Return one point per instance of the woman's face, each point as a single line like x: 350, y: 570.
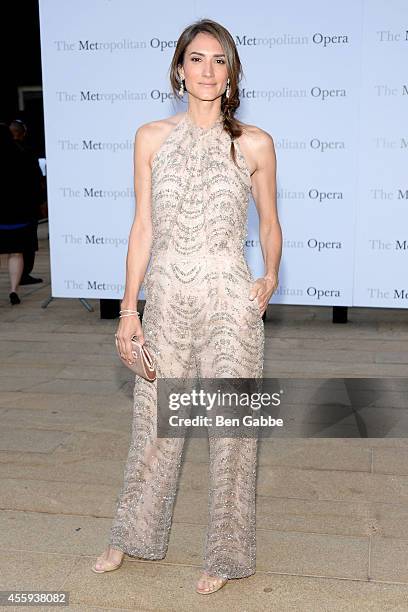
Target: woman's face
x: 204, y: 68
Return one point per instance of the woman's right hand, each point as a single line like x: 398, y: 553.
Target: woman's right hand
x: 128, y: 327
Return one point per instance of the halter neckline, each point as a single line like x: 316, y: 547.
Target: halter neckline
x: 201, y: 130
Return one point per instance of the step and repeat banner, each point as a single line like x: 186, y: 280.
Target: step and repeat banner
x: 327, y: 80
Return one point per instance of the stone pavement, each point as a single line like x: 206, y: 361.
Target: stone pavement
x: 332, y: 513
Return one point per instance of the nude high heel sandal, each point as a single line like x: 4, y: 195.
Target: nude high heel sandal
x: 219, y: 583
x: 107, y: 566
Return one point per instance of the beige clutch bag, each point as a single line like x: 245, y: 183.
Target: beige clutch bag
x: 143, y: 363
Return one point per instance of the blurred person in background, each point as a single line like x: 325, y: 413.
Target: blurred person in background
x: 18, y: 191
x: 19, y: 132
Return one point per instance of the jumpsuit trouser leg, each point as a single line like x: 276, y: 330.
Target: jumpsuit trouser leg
x: 145, y: 505
x: 232, y: 347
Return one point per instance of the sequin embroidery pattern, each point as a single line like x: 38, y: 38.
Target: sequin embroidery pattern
x: 198, y: 321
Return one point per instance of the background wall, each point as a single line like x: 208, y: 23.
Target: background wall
x: 326, y: 80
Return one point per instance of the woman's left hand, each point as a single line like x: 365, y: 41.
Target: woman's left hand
x: 263, y: 289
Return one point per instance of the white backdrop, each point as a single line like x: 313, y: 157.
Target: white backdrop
x: 325, y: 79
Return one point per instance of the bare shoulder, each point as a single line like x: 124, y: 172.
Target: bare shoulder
x: 152, y: 134
x: 255, y: 136
x: 256, y: 144
x: 159, y: 125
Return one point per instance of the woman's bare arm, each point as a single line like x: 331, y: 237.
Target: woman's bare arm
x: 140, y: 237
x: 259, y: 150
x: 264, y: 192
x: 140, y: 242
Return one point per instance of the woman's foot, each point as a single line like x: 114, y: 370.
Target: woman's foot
x: 209, y: 584
x: 14, y: 299
x: 109, y: 560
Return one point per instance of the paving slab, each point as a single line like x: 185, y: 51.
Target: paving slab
x: 332, y: 512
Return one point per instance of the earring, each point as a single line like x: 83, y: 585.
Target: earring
x: 181, y: 90
x: 228, y: 90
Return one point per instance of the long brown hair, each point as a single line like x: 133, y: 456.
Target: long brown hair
x: 234, y: 68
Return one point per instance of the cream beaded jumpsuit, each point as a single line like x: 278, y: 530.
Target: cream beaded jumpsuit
x: 198, y: 321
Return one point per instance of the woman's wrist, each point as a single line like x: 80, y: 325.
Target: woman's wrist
x: 271, y: 275
x: 128, y: 305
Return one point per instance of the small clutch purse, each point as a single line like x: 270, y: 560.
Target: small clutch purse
x: 143, y: 364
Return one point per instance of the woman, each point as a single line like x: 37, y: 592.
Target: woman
x: 17, y: 213
x: 203, y: 311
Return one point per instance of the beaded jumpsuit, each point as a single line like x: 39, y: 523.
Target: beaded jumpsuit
x: 197, y: 321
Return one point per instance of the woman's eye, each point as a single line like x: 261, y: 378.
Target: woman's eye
x: 193, y: 59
